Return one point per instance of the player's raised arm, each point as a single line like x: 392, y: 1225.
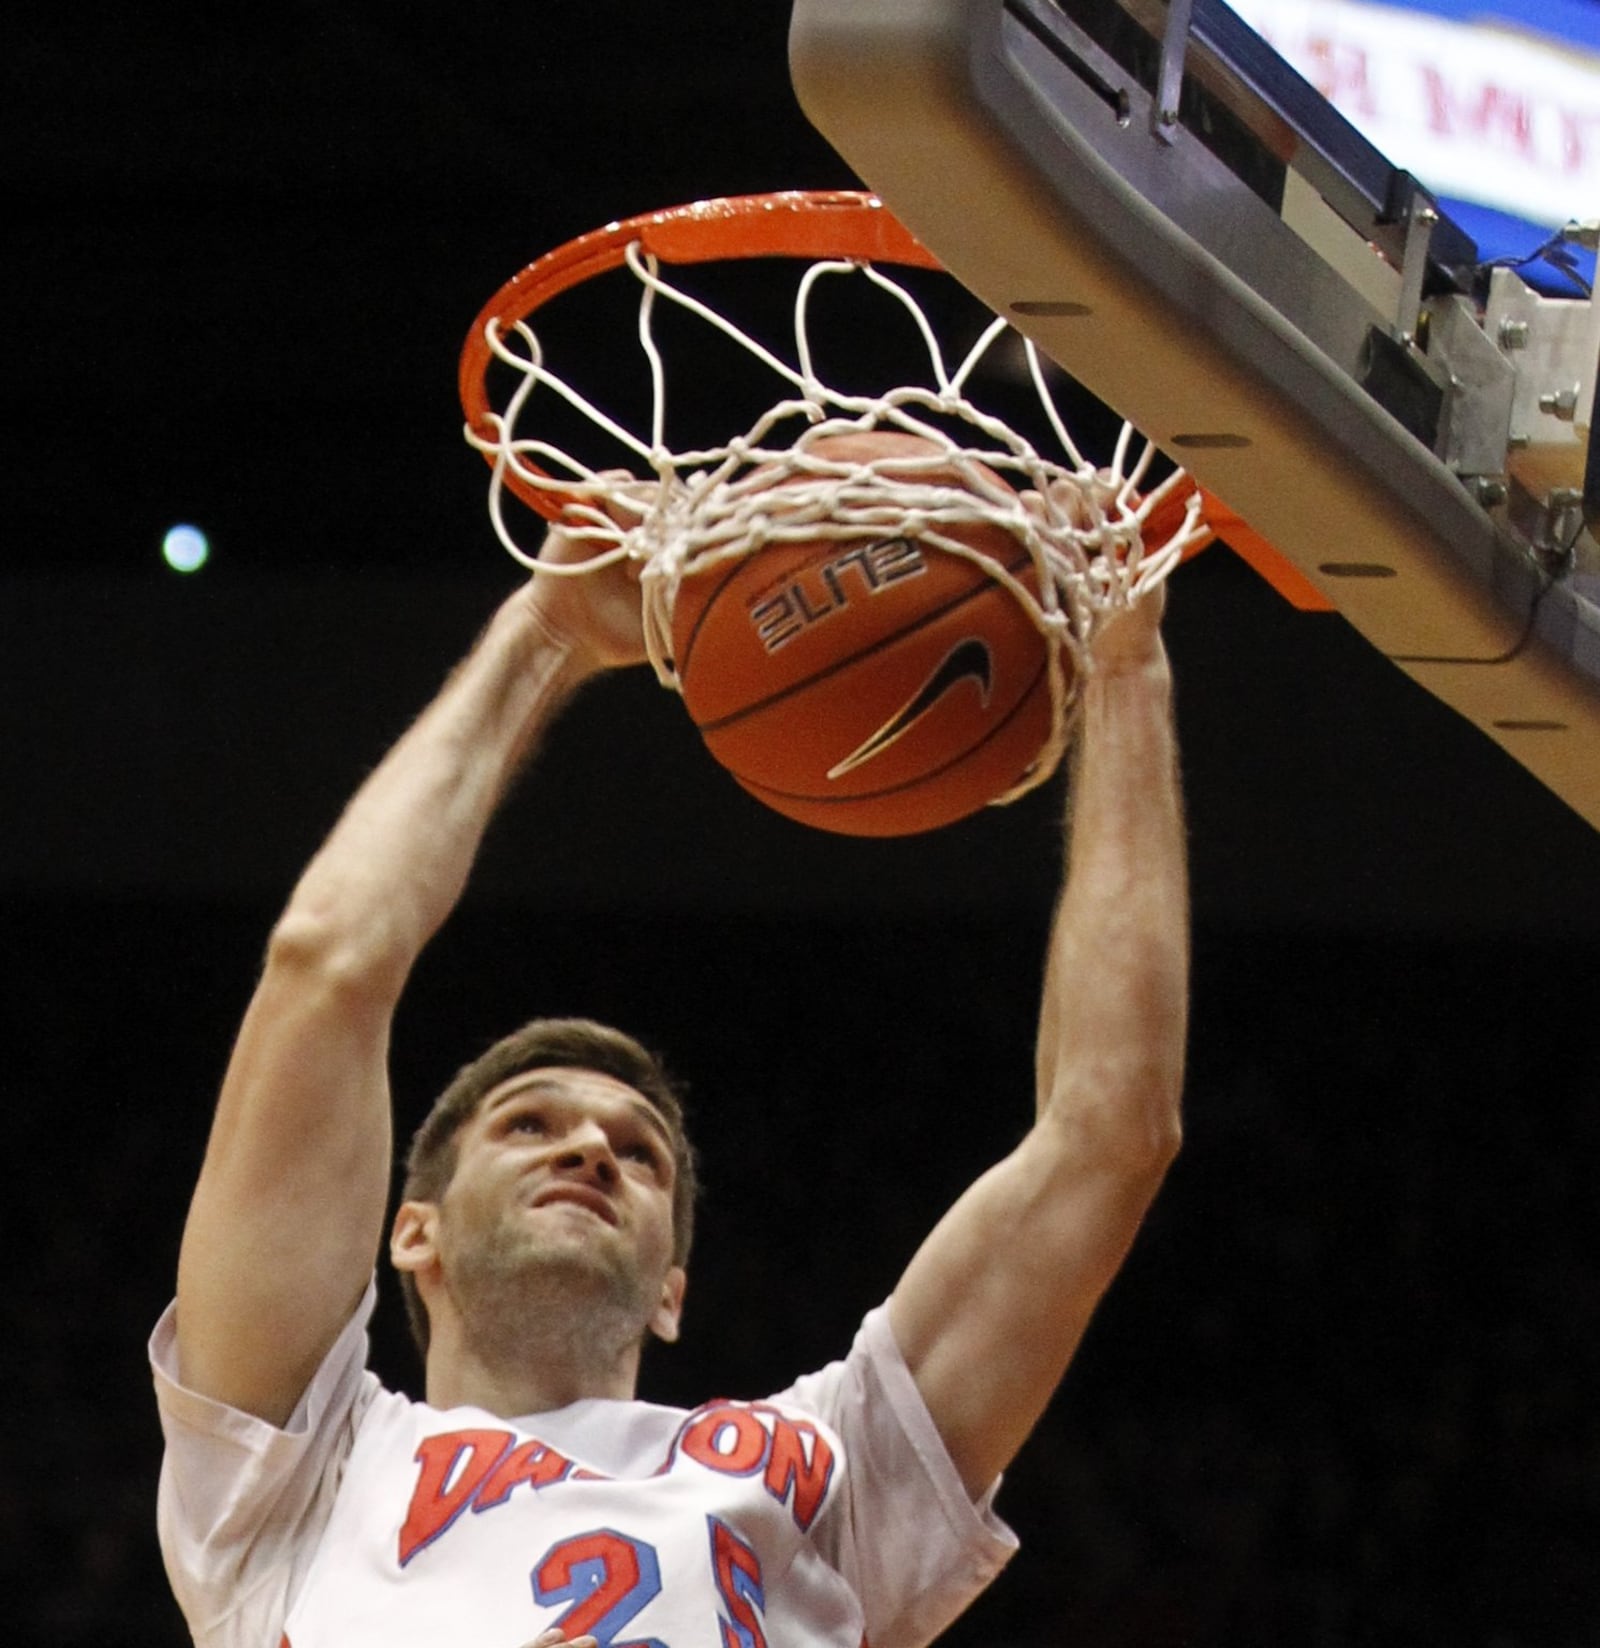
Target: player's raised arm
x: 993, y: 1306
x: 287, y: 1216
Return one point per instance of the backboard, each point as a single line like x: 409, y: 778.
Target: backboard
x: 1189, y: 229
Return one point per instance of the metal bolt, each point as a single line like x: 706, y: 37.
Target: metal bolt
x: 1489, y: 490
x: 1513, y: 334
x: 1561, y: 403
x: 1563, y: 521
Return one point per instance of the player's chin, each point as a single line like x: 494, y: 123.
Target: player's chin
x: 579, y: 1246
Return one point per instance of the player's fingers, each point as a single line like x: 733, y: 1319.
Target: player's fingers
x: 629, y: 500
x: 1066, y: 502
x: 624, y: 499
x: 593, y: 520
x: 551, y: 1637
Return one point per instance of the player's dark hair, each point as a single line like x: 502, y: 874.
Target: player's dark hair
x: 579, y: 1044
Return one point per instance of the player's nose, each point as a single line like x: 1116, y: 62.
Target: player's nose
x: 586, y: 1148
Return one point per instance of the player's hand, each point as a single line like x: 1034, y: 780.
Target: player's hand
x: 553, y: 1637
x: 597, y: 614
x: 1125, y: 639
x: 1128, y: 639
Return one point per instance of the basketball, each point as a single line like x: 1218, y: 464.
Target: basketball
x: 869, y: 687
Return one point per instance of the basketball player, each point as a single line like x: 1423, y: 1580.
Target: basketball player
x: 531, y: 1499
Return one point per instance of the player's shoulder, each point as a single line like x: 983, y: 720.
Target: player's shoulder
x: 872, y: 1361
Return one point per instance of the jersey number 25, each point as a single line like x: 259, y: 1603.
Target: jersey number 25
x: 607, y: 1579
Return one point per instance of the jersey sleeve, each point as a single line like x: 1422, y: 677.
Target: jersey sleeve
x: 905, y: 1535
x: 242, y: 1504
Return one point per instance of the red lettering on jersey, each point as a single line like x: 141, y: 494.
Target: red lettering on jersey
x: 793, y: 1466
x: 454, y: 1466
x: 738, y: 1573
x: 534, y: 1463
x: 727, y: 1439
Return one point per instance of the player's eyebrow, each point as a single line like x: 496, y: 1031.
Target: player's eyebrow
x: 535, y: 1085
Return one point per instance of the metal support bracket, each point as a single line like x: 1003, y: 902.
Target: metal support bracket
x: 1422, y: 220
x: 1169, y: 81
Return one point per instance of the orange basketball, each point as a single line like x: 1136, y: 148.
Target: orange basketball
x: 868, y: 687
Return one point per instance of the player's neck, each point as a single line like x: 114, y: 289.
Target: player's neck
x: 537, y: 1378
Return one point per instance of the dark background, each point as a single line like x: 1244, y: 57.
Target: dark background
x: 1342, y: 1394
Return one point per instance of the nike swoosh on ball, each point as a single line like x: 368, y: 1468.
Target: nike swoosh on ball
x: 966, y: 660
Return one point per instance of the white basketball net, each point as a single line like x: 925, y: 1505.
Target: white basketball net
x: 1082, y: 525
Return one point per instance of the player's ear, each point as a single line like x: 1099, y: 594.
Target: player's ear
x: 669, y: 1309
x: 413, y: 1238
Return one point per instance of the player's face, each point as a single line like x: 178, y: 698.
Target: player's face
x: 566, y: 1172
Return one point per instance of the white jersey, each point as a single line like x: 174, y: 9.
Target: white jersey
x: 826, y: 1516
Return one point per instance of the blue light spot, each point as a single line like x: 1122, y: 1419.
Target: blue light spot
x: 185, y: 549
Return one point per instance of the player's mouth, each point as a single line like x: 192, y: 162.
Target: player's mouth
x: 576, y: 1195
